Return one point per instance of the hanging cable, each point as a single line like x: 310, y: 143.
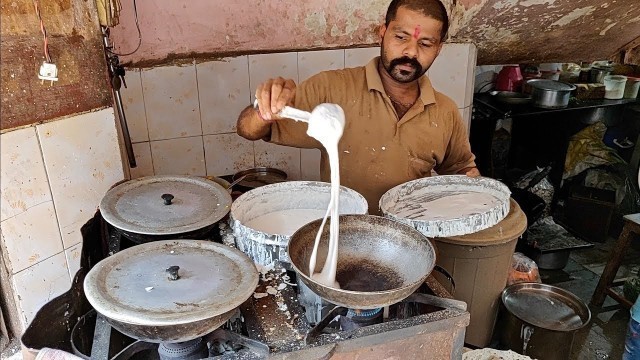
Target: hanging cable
x: 44, y: 32
x: 135, y: 12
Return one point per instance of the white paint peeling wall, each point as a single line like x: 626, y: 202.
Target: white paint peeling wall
x: 574, y: 15
x: 52, y: 179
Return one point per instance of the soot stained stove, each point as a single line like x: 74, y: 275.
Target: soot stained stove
x: 273, y: 323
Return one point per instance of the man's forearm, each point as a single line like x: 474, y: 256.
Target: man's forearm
x: 251, y: 126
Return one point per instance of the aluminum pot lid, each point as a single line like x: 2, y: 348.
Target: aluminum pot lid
x: 165, y: 205
x: 134, y: 286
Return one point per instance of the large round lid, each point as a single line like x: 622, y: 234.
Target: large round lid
x: 134, y: 286
x: 448, y: 205
x: 507, y: 230
x: 546, y: 306
x: 165, y: 205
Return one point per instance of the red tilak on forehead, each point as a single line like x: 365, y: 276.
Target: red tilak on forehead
x: 416, y: 32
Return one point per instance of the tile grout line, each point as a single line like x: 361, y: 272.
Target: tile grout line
x: 30, y: 207
x: 146, y: 121
x: 204, y: 151
x: 53, y: 203
x: 47, y: 258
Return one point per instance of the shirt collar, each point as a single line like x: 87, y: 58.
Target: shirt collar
x: 374, y: 82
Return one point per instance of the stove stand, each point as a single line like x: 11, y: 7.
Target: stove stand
x: 219, y: 344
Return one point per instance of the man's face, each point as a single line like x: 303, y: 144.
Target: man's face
x: 409, y: 45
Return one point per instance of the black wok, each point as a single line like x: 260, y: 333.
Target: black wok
x: 380, y: 261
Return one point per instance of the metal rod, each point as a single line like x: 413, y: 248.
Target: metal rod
x: 125, y: 130
x: 115, y: 91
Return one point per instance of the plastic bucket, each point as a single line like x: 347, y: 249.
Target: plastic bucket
x: 479, y: 264
x: 631, y: 88
x: 614, y: 86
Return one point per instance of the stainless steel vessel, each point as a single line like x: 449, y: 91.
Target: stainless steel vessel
x: 550, y: 94
x: 541, y: 320
x: 165, y: 207
x: 170, y: 291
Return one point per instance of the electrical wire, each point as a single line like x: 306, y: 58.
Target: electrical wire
x: 44, y: 32
x: 135, y: 11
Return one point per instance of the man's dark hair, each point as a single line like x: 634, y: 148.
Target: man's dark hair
x: 431, y: 8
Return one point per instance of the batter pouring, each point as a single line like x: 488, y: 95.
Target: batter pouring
x: 326, y: 124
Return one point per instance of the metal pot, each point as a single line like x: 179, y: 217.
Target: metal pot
x: 257, y: 177
x: 380, y: 261
x: 554, y: 260
x: 541, y: 320
x: 265, y: 246
x: 597, y: 74
x: 170, y: 291
x: 550, y: 94
x: 165, y: 207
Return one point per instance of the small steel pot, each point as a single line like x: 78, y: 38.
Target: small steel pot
x: 257, y: 177
x: 541, y: 320
x: 597, y: 74
x: 550, y: 94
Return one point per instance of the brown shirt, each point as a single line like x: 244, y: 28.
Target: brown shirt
x: 379, y: 151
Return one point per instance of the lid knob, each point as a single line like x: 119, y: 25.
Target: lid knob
x: 173, y: 272
x: 167, y: 198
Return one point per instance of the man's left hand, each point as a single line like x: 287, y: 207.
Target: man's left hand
x: 470, y: 172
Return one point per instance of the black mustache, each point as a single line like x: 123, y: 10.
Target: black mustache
x: 405, y: 60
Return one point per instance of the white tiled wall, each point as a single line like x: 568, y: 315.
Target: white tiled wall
x: 183, y: 118
x: 53, y: 177
x: 453, y: 74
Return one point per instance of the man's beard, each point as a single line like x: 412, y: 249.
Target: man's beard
x: 402, y: 75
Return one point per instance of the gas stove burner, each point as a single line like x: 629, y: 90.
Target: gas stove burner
x: 362, y: 314
x: 188, y: 350
x: 359, y: 318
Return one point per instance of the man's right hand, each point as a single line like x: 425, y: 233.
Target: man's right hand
x: 273, y: 95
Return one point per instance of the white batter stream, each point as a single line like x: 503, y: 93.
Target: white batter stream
x: 326, y: 125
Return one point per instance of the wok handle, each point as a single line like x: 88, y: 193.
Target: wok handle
x: 449, y: 277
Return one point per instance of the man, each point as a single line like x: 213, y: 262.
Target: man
x: 398, y: 128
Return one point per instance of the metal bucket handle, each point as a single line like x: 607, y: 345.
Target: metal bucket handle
x: 446, y: 274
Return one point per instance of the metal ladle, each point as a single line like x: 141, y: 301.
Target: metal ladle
x: 290, y: 113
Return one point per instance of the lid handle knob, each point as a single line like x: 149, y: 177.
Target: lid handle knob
x: 167, y: 198
x: 173, y: 272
